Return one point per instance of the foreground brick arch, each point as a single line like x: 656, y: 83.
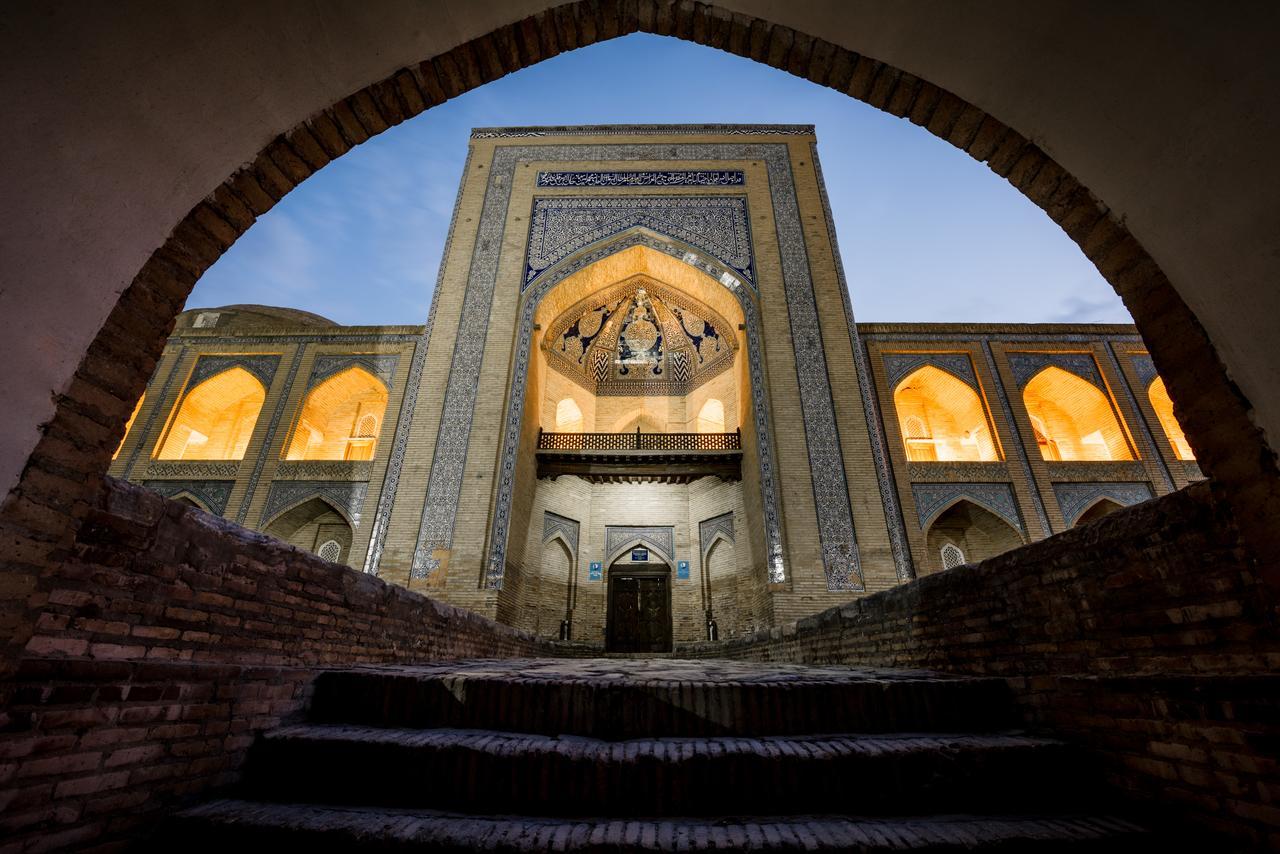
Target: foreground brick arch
x: 62, y: 474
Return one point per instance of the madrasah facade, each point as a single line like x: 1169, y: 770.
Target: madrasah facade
x: 640, y: 413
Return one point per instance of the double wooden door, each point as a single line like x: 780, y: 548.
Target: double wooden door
x: 638, y: 618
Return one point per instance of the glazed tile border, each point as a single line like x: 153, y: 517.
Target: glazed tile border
x: 642, y: 130
x: 655, y: 178
x: 400, y: 444
x: 885, y: 481
x: 835, y: 518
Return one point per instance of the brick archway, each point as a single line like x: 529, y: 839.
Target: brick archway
x: 63, y: 472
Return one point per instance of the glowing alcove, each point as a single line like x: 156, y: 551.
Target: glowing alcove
x: 1073, y: 419
x: 340, y: 419
x: 216, y: 418
x: 942, y: 418
x: 1163, y: 406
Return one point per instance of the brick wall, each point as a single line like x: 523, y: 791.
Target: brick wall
x: 169, y: 638
x: 1147, y: 637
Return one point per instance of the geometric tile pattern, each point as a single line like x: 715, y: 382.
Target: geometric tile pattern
x: 898, y: 365
x: 1145, y: 367
x: 1027, y: 365
x: 213, y: 494
x: 554, y: 523
x: 1075, y: 498
x: 659, y: 538
x: 382, y: 366
x: 932, y: 498
x: 563, y: 225
x: 261, y: 366
x: 347, y: 497
x: 708, y: 529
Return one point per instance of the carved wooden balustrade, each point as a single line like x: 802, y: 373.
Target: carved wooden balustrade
x: 638, y: 441
x: 637, y: 456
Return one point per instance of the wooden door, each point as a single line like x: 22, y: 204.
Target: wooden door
x: 638, y: 618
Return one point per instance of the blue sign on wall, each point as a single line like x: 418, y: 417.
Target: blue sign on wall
x: 639, y: 555
x: 596, y: 572
x: 682, y: 569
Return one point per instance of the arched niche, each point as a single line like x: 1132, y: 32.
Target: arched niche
x: 973, y: 530
x: 215, y: 419
x: 568, y: 416
x: 310, y: 524
x: 1101, y: 507
x: 341, y: 418
x: 1163, y: 406
x: 1072, y: 419
x: 942, y: 418
x: 711, y: 417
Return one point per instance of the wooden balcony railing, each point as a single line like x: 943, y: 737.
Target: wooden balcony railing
x: 638, y: 441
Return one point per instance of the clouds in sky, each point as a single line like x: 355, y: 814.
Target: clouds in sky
x: 926, y: 233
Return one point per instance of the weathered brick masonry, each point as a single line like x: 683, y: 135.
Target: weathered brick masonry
x: 170, y: 638
x: 1147, y: 637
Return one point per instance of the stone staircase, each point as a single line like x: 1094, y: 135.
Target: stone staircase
x: 662, y: 755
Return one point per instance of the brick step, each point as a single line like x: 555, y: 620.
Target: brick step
x: 611, y: 699
x: 491, y: 772
x: 218, y: 825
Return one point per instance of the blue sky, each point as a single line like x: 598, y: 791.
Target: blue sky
x: 926, y: 233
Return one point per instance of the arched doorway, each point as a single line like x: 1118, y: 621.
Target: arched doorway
x: 638, y: 615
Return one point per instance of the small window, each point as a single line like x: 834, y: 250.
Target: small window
x: 368, y: 427
x: 330, y: 551
x: 952, y: 556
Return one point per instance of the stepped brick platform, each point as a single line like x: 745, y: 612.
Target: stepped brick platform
x: 657, y: 755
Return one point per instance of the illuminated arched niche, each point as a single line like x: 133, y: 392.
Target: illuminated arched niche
x: 1163, y: 406
x: 341, y: 418
x: 598, y: 327
x: 128, y: 425
x: 711, y: 417
x: 216, y: 418
x: 942, y: 418
x: 568, y: 416
x: 1072, y: 418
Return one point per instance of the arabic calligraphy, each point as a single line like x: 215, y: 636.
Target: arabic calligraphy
x: 663, y: 178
